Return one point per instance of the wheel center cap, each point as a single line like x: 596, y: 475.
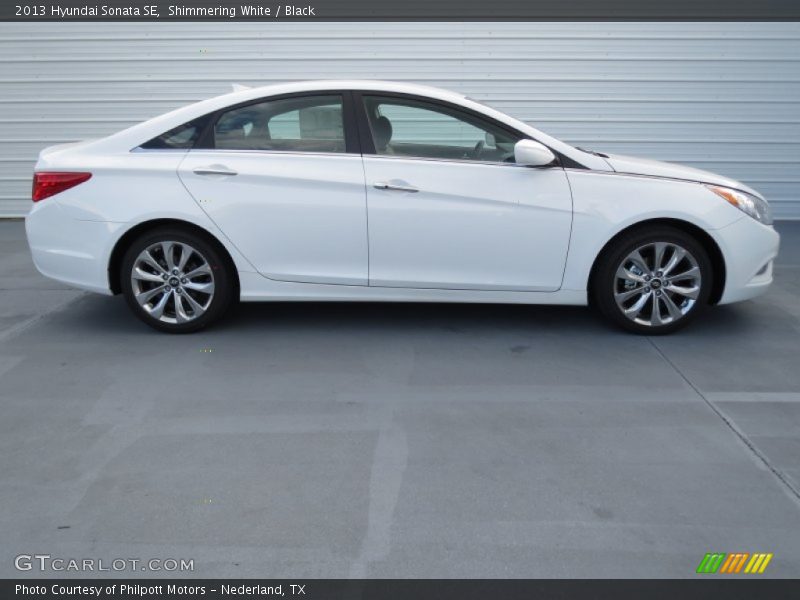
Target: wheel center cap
x: 174, y: 281
x: 655, y: 284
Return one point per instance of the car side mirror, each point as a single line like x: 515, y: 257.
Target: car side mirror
x: 532, y: 154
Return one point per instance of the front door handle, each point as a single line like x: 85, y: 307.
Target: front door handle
x: 382, y: 185
x: 214, y: 170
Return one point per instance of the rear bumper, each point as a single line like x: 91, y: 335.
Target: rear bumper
x: 68, y: 250
x: 749, y: 249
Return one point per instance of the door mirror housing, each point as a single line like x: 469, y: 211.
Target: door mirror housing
x: 532, y: 154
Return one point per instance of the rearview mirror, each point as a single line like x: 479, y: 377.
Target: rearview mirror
x: 532, y: 154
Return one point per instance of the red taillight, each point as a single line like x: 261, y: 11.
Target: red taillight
x: 48, y: 183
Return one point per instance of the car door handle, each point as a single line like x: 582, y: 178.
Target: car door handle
x: 214, y: 170
x: 382, y: 185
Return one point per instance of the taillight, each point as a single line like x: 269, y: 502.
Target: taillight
x: 49, y: 183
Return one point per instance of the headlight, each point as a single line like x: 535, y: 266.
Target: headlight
x: 752, y: 205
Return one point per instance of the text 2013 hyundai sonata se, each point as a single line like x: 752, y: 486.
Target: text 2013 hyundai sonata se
x: 363, y: 190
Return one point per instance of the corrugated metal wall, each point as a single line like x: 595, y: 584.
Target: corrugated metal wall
x: 719, y: 96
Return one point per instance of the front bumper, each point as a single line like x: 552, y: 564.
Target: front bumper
x: 749, y: 249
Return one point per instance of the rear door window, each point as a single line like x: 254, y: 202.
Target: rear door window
x: 299, y: 124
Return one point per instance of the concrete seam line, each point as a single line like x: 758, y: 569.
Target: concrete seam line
x: 789, y: 487
x: 20, y: 327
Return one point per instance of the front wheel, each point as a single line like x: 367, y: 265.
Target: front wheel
x: 653, y: 281
x: 176, y: 281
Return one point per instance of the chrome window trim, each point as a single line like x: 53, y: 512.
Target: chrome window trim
x: 353, y: 154
x: 458, y: 161
x: 140, y: 149
x: 279, y: 152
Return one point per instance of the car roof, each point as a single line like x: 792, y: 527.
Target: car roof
x: 346, y: 84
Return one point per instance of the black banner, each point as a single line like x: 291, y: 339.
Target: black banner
x: 739, y: 588
x: 402, y: 10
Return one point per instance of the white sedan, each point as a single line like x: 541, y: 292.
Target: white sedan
x: 376, y: 191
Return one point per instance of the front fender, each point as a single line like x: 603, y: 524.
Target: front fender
x: 607, y: 203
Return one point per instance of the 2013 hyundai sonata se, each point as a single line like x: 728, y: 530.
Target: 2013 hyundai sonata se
x: 375, y: 191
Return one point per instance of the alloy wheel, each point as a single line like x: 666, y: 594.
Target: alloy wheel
x: 658, y: 283
x: 172, y: 282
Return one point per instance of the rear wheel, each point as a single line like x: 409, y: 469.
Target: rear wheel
x: 176, y: 281
x: 653, y: 281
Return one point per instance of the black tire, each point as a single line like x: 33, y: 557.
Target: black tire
x: 212, y: 305
x: 605, y: 285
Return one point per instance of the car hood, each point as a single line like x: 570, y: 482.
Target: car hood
x: 655, y: 168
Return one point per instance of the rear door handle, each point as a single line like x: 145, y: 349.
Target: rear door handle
x: 382, y: 185
x: 214, y: 170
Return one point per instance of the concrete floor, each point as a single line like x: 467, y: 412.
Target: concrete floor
x: 315, y: 440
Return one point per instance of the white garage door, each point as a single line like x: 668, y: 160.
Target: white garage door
x: 719, y: 96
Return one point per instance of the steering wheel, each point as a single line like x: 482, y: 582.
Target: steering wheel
x: 478, y: 149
